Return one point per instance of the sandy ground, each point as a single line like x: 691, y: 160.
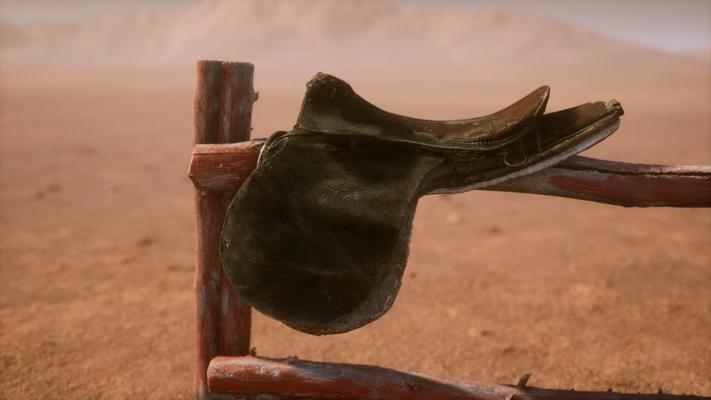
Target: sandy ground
x: 97, y: 235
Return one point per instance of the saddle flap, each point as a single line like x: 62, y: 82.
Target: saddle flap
x: 317, y: 237
x: 332, y: 106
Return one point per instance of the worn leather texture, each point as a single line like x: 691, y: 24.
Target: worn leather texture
x: 318, y: 235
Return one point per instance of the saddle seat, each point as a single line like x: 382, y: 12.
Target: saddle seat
x: 331, y: 106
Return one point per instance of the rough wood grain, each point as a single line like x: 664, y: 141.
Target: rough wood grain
x: 618, y: 183
x: 217, y: 168
x: 222, y: 114
x: 299, y: 379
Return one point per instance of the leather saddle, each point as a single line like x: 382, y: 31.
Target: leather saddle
x: 318, y: 235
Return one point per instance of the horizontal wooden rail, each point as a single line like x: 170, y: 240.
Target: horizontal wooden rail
x: 223, y: 167
x: 293, y: 378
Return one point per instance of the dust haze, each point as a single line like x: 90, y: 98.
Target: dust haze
x: 97, y: 220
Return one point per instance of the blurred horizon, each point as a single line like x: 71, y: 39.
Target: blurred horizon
x: 455, y: 37
x: 680, y: 26
x: 464, y: 53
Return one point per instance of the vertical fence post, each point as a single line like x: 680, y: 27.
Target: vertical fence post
x: 222, y: 112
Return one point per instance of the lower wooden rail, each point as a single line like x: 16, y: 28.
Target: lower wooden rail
x: 299, y: 379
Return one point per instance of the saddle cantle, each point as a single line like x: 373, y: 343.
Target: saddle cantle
x: 318, y: 235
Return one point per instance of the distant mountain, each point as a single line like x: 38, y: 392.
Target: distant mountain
x: 395, y: 41
x: 702, y: 55
x: 359, y: 33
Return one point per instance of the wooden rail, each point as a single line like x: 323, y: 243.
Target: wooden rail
x: 297, y: 379
x: 224, y: 167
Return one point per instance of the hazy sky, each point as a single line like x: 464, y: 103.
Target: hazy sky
x: 673, y: 25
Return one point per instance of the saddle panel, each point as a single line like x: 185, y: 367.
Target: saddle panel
x: 331, y: 105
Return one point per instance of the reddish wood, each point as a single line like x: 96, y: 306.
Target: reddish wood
x: 307, y: 379
x: 222, y: 114
x: 225, y: 167
x: 218, y: 168
x: 618, y: 183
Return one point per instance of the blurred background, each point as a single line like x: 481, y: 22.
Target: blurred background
x: 96, y: 211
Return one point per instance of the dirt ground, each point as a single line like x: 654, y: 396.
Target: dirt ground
x: 97, y: 259
x: 97, y: 240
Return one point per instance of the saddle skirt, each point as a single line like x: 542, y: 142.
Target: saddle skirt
x: 318, y: 235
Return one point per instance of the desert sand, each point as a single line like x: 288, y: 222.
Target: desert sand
x: 97, y: 227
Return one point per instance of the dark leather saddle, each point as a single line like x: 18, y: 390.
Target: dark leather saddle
x: 318, y: 235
